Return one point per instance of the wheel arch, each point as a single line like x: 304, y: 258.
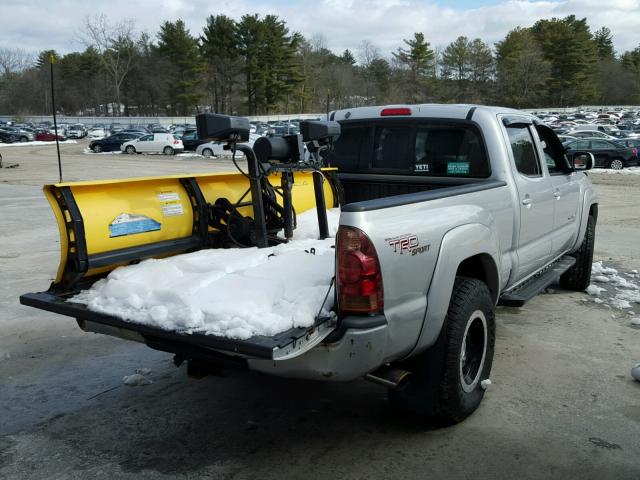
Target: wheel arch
x: 468, y: 250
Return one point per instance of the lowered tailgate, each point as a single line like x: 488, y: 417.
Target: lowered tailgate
x: 285, y: 345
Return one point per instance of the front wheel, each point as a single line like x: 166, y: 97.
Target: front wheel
x: 207, y: 152
x: 446, y: 380
x: 168, y: 151
x: 97, y: 149
x: 130, y: 149
x: 578, y: 277
x: 24, y: 139
x: 616, y: 164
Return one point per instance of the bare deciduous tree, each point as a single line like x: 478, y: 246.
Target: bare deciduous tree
x: 14, y: 60
x: 115, y: 44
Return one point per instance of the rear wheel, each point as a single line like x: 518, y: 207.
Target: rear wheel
x: 578, y: 277
x: 130, y: 149
x: 97, y: 148
x: 168, y: 151
x: 446, y: 380
x: 616, y: 164
x: 207, y: 152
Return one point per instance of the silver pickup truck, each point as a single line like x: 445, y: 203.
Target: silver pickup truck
x: 446, y: 212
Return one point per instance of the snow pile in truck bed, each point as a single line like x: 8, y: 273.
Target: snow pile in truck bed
x: 235, y: 293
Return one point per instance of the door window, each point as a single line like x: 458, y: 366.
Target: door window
x: 600, y: 145
x: 146, y: 138
x: 524, y: 151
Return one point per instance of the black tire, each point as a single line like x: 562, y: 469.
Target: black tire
x: 168, y: 151
x: 617, y: 163
x: 97, y: 148
x: 24, y: 139
x: 207, y: 152
x: 130, y: 149
x: 578, y: 277
x: 445, y: 385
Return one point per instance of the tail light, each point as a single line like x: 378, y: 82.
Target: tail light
x: 359, y: 284
x: 635, y: 151
x: 391, y: 112
x: 176, y: 142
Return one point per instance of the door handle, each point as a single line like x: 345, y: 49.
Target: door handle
x: 526, y: 201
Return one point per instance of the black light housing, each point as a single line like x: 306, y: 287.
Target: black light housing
x: 222, y: 128
x: 288, y: 148
x: 314, y: 130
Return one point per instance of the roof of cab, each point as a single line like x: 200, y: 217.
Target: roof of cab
x: 425, y: 110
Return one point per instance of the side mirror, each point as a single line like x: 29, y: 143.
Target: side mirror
x: 583, y: 161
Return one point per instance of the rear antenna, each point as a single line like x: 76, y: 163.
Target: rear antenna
x: 55, y: 121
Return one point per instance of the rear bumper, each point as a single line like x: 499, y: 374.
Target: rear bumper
x: 358, y: 351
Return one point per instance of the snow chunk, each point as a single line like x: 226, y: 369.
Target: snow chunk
x: 594, y: 290
x: 235, y: 293
x: 485, y: 383
x: 598, y: 269
x: 136, y: 380
x: 600, y: 279
x: 619, y: 303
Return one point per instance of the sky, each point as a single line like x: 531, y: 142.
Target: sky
x: 36, y: 25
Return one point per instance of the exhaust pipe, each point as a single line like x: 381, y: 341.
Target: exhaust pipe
x: 388, y: 376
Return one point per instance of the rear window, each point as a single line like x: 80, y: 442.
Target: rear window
x: 429, y: 149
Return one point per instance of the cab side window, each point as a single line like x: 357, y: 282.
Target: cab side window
x: 524, y: 151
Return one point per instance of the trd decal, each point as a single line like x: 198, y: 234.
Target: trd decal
x: 407, y: 244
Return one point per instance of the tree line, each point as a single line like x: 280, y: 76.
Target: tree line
x: 257, y: 65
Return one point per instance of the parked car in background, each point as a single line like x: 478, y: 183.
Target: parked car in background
x: 631, y: 143
x: 215, y: 149
x: 566, y: 138
x: 77, y: 130
x: 8, y: 137
x: 115, y: 128
x: 607, y: 153
x: 158, y: 129
x: 590, y: 134
x: 96, y: 133
x: 191, y: 141
x: 166, y: 143
x: 112, y: 143
x: 48, y: 136
x: 23, y: 136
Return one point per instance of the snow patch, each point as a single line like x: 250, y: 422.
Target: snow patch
x: 136, y: 380
x: 485, y: 383
x: 235, y: 293
x: 36, y: 143
x: 594, y: 290
x: 624, y: 171
x: 88, y: 151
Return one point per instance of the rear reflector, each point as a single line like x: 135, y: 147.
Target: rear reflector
x: 359, y: 285
x: 390, y: 112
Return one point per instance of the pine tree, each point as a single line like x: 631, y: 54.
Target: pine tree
x: 176, y: 44
x: 419, y: 60
x: 219, y: 47
x: 522, y: 71
x: 568, y: 46
x: 604, y: 43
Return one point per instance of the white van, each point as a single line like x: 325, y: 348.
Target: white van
x: 166, y: 143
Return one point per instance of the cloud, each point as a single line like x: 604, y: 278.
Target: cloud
x: 344, y: 24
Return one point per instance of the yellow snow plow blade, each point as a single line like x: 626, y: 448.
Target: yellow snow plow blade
x: 104, y: 224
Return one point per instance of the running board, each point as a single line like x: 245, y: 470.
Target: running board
x: 524, y: 292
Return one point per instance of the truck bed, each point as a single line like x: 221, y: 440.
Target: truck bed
x: 286, y: 344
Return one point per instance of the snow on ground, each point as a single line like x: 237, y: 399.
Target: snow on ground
x: 236, y: 293
x: 614, y: 290
x: 32, y: 144
x: 91, y: 152
x: 624, y: 171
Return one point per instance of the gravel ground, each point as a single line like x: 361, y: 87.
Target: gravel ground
x: 562, y: 404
